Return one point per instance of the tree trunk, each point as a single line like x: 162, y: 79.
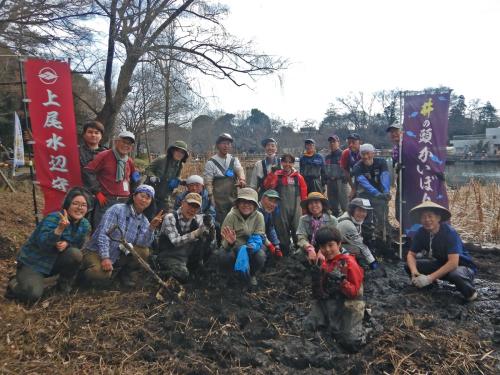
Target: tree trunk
x: 167, y: 104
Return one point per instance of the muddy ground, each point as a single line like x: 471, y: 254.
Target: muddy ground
x: 219, y: 327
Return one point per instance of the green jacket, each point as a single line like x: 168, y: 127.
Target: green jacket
x: 304, y: 232
x: 244, y: 228
x: 166, y: 169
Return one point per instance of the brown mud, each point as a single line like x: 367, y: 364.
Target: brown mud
x: 221, y: 328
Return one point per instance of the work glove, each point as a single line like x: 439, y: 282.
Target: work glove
x: 374, y: 265
x: 272, y: 249
x: 421, y: 281
x: 126, y: 250
x: 334, y: 280
x: 135, y: 176
x: 101, y: 198
x: 173, y: 183
x: 440, y: 176
x: 387, y: 196
x: 278, y: 254
x: 198, y: 232
x: 154, y: 179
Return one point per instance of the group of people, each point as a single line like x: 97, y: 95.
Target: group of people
x: 241, y: 225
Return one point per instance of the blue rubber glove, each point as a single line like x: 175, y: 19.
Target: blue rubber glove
x: 173, y: 183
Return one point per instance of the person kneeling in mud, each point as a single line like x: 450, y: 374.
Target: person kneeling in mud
x: 437, y: 252
x: 185, y: 239
x: 337, y: 288
x: 243, y: 234
x: 317, y: 216
x: 267, y: 207
x: 350, y: 227
x: 53, y: 249
x: 104, y: 258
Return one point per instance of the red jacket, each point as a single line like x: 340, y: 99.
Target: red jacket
x: 350, y: 268
x: 271, y: 181
x: 103, y: 171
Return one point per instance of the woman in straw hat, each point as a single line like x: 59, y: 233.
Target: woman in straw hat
x: 315, y: 206
x: 437, y: 252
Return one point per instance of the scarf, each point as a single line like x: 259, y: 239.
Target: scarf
x: 315, y: 225
x: 120, y: 165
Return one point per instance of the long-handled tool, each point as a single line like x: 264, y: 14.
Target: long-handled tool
x: 171, y: 284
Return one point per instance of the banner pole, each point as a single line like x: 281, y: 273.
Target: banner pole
x: 400, y: 175
x: 28, y: 128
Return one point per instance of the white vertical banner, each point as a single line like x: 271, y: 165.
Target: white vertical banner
x: 18, y: 145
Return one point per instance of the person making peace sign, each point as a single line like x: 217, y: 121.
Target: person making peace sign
x: 53, y: 249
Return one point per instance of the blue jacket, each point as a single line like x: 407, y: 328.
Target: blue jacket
x: 40, y: 253
x: 271, y: 234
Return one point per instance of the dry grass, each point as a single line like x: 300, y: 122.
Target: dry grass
x: 415, y: 345
x: 475, y: 212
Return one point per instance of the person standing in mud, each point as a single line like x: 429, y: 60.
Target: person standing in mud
x: 91, y: 138
x: 336, y: 183
x: 103, y: 257
x: 350, y: 156
x: 185, y: 240
x: 243, y: 233
x: 53, y: 249
x: 267, y: 207
x: 292, y: 189
x: 312, y: 167
x: 437, y: 252
x: 163, y: 174
x: 350, y: 227
x: 338, y: 307
x: 373, y: 182
x: 317, y: 216
x: 112, y: 175
x: 264, y: 166
x: 223, y: 175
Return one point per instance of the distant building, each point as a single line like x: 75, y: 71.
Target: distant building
x: 490, y: 142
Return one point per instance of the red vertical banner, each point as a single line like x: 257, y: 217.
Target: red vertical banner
x: 48, y: 86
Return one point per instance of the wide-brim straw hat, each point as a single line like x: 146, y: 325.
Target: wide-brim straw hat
x: 314, y: 196
x: 416, y: 211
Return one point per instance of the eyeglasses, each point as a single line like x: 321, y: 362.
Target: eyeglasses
x: 79, y: 205
x: 126, y: 142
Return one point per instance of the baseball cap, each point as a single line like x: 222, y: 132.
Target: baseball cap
x: 193, y: 198
x: 354, y: 136
x: 271, y: 194
x: 126, y: 134
x: 334, y: 137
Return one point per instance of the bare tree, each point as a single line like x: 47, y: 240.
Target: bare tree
x: 134, y: 30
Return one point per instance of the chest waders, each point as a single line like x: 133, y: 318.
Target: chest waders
x: 260, y: 180
x: 224, y: 190
x: 163, y: 196
x: 289, y: 213
x: 312, y: 175
x: 336, y: 189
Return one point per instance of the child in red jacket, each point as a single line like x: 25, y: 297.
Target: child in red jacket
x: 338, y: 304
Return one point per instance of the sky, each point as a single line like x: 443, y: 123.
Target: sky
x: 335, y: 47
